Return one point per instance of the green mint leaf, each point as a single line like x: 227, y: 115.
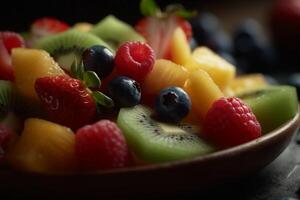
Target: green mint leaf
x: 80, y: 70
x: 91, y: 79
x: 102, y: 99
x: 74, y: 69
x: 149, y: 8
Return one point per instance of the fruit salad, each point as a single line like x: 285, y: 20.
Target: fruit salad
x: 94, y: 97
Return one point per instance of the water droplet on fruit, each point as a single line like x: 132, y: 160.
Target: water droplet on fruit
x: 84, y: 94
x: 74, y: 84
x: 54, y: 104
x: 47, y: 99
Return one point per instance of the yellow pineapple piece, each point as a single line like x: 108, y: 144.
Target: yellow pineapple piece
x: 83, y: 26
x: 29, y: 65
x: 202, y: 91
x: 245, y: 83
x: 221, y: 71
x: 180, y: 48
x: 228, y: 92
x: 44, y: 147
x: 164, y: 74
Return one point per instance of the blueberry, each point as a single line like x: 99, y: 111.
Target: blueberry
x: 125, y: 91
x: 253, y: 52
x: 247, y: 36
x: 219, y: 42
x: 267, y: 58
x: 172, y: 104
x: 204, y: 25
x: 98, y: 59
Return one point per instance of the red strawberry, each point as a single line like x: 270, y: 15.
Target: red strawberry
x: 66, y: 101
x: 158, y: 31
x: 44, y: 27
x: 49, y: 25
x: 8, y: 41
x: 6, y: 136
x: 101, y: 146
x: 229, y: 122
x: 134, y: 59
x: 186, y: 27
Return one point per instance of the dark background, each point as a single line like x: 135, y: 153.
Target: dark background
x: 271, y: 183
x: 18, y: 15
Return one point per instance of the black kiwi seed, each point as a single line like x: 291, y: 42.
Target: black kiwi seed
x: 154, y: 141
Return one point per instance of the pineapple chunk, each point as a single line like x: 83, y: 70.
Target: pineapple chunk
x: 180, y: 48
x: 29, y: 65
x: 218, y: 68
x: 246, y: 83
x: 44, y: 147
x: 202, y: 91
x: 83, y: 26
x: 164, y: 74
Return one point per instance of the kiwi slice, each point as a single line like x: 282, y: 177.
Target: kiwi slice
x: 114, y: 31
x: 67, y: 46
x: 272, y: 106
x: 155, y: 142
x: 7, y: 98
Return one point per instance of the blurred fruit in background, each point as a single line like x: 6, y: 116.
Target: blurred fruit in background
x: 285, y: 26
x: 268, y: 43
x: 294, y: 80
x: 204, y: 26
x: 253, y: 51
x: 285, y: 23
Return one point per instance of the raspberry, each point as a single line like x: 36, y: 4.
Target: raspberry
x: 135, y: 60
x: 101, y: 146
x: 229, y: 122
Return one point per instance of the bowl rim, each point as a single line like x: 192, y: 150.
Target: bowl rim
x: 292, y: 124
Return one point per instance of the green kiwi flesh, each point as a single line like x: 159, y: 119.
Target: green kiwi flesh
x: 114, y: 31
x: 155, y: 142
x: 272, y: 106
x: 67, y: 46
x: 7, y: 98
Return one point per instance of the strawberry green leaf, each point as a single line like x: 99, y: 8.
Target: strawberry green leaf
x: 91, y: 79
x: 149, y: 8
x: 179, y: 10
x: 102, y: 99
x: 25, y: 35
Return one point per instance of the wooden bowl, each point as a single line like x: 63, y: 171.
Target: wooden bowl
x: 199, y: 173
